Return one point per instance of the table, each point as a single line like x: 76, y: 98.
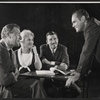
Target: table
x: 34, y: 75
x: 56, y: 77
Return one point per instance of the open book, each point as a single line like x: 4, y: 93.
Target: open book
x: 52, y: 71
x: 58, y: 71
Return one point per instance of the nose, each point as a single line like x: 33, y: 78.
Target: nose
x: 72, y: 25
x: 19, y: 37
x: 53, y: 41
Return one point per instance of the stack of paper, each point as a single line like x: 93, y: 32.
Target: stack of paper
x: 44, y: 72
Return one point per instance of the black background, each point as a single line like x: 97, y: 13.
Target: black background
x: 43, y: 17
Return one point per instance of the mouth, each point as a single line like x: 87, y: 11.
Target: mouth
x: 30, y: 45
x: 54, y: 44
x: 76, y: 28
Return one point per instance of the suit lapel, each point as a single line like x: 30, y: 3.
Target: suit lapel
x: 3, y: 44
x: 57, y: 52
x: 49, y: 52
x: 9, y: 61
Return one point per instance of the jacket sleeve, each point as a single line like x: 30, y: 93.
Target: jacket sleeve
x: 42, y: 50
x: 6, y: 78
x: 91, y: 38
x: 65, y: 56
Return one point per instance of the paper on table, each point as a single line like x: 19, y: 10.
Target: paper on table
x: 44, y: 72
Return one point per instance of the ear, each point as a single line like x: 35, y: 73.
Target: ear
x: 83, y: 18
x: 9, y: 36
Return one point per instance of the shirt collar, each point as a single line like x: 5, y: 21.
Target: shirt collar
x: 53, y: 50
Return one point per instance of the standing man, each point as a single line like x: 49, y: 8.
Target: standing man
x: 91, y: 28
x: 8, y: 70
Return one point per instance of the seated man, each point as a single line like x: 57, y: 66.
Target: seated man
x: 8, y: 71
x: 54, y: 54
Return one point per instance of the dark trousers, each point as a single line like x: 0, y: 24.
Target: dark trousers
x: 5, y: 92
x: 31, y: 87
x: 24, y: 88
x: 54, y: 88
x: 57, y: 89
x: 94, y: 80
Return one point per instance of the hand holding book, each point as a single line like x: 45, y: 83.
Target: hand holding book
x: 58, y: 71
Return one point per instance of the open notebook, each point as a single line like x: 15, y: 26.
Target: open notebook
x: 52, y: 71
x: 58, y: 71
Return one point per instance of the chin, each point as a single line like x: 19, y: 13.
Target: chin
x: 17, y: 45
x: 77, y: 31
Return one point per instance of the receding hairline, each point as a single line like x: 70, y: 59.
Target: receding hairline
x: 8, y: 29
x: 81, y: 12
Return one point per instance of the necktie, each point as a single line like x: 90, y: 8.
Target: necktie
x: 53, y: 52
x: 10, y: 52
x: 11, y: 59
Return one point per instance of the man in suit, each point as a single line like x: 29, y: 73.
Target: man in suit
x: 91, y: 48
x: 54, y: 55
x: 10, y: 35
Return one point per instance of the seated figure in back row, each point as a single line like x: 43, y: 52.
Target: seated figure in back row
x: 27, y: 55
x: 53, y: 55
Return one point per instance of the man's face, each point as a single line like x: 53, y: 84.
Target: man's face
x: 77, y: 23
x: 15, y: 37
x: 28, y: 41
x: 52, y: 41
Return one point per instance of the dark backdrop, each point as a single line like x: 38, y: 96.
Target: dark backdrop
x: 43, y: 17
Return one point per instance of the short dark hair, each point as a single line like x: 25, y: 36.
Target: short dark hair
x: 80, y: 13
x: 8, y: 29
x: 51, y: 33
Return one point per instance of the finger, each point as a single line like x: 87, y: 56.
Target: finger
x: 68, y: 83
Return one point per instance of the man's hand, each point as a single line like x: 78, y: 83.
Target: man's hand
x: 72, y: 72
x: 63, y: 66
x: 53, y: 69
x: 16, y: 72
x: 72, y: 79
x: 14, y: 76
x: 52, y: 63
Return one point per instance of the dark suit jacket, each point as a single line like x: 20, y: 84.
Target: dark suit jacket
x: 91, y: 47
x: 60, y: 56
x: 6, y: 66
